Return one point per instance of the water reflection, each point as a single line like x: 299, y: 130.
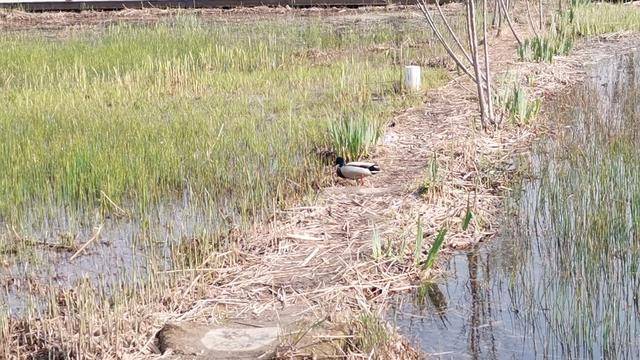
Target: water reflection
x: 562, y: 281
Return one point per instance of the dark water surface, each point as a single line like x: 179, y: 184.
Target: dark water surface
x: 562, y: 281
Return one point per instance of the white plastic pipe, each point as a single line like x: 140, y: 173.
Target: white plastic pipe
x: 412, y: 78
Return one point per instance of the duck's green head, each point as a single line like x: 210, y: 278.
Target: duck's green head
x: 339, y: 161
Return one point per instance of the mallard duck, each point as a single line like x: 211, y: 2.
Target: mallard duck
x: 357, y: 170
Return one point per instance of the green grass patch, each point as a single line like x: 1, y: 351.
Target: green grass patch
x: 224, y: 115
x: 582, y: 19
x: 603, y: 18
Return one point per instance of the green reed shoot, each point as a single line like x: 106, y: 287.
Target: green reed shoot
x: 435, y: 249
x: 467, y: 219
x: 517, y: 106
x: 419, y: 238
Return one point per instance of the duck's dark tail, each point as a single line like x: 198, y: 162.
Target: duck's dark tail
x: 374, y: 169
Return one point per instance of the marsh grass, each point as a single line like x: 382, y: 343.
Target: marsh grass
x: 545, y: 48
x: 563, y: 275
x: 558, y: 40
x: 581, y: 220
x: 582, y: 19
x: 140, y: 114
x: 177, y: 136
x: 516, y: 104
x: 222, y: 118
x: 603, y: 18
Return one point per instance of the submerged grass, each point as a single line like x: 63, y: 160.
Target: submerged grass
x: 582, y: 219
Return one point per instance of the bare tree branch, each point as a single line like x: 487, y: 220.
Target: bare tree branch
x: 472, y: 54
x: 509, y: 22
x: 487, y: 69
x: 496, y: 14
x: 423, y: 7
x: 533, y: 27
x: 540, y: 15
x: 473, y: 41
x: 453, y: 35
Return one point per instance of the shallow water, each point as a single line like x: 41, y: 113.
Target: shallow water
x: 562, y: 280
x: 125, y: 251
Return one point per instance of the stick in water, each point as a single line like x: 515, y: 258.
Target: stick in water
x: 84, y: 246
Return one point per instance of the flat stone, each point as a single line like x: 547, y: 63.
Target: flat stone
x: 240, y: 339
x: 272, y: 333
x: 216, y: 343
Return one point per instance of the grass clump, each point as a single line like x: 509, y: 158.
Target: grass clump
x: 517, y: 106
x: 432, y: 183
x: 545, y: 48
x: 371, y: 333
x: 580, y: 20
x: 373, y: 338
x: 557, y: 41
x: 355, y: 136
